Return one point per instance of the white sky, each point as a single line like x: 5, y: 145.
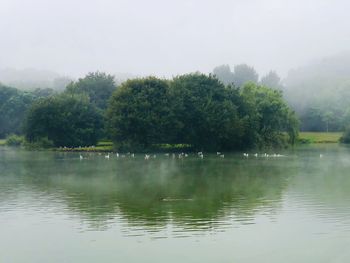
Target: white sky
x: 169, y: 37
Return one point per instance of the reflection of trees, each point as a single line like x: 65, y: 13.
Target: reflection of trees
x: 190, y: 193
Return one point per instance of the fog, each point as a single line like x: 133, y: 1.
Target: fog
x: 166, y: 38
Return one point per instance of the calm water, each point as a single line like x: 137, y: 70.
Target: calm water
x: 57, y: 208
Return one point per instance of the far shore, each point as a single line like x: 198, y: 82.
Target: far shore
x: 304, y: 138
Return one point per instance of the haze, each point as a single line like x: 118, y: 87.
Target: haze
x: 166, y: 38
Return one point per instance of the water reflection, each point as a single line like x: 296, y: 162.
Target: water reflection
x: 188, y: 195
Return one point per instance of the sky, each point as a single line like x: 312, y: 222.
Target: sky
x: 169, y: 37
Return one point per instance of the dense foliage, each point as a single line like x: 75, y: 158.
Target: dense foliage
x: 97, y: 86
x: 66, y: 120
x: 139, y: 113
x: 269, y: 116
x: 195, y: 110
x: 14, y: 140
x: 205, y: 113
x: 198, y: 110
x: 14, y: 105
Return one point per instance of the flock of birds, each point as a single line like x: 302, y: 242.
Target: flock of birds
x: 185, y: 155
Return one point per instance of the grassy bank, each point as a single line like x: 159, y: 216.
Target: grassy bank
x: 304, y: 137
x: 102, y: 146
x: 107, y: 146
x: 319, y: 137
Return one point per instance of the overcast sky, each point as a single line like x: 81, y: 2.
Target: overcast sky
x: 169, y: 37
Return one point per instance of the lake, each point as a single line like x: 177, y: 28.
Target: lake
x: 55, y: 207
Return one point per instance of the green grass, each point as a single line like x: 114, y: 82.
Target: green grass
x: 105, y: 143
x: 98, y: 148
x: 2, y: 142
x: 319, y: 137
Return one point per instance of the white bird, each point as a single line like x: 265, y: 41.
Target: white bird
x: 256, y: 155
x: 154, y: 156
x: 222, y: 155
x: 107, y: 156
x: 132, y: 155
x: 81, y: 157
x: 167, y: 154
x: 245, y: 154
x: 321, y: 155
x: 147, y: 156
x: 218, y: 153
x: 117, y: 155
x: 201, y: 156
x: 186, y: 155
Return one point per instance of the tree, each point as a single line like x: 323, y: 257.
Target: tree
x: 243, y: 74
x: 13, y: 107
x: 224, y: 74
x: 207, y: 113
x: 139, y: 114
x: 66, y: 120
x: 268, y: 115
x: 97, y: 86
x: 271, y: 80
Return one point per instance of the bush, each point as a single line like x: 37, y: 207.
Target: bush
x: 41, y: 143
x: 14, y: 140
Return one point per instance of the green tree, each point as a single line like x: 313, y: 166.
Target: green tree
x: 97, y: 85
x: 139, y: 114
x: 268, y: 115
x: 66, y: 120
x: 206, y: 111
x: 13, y: 108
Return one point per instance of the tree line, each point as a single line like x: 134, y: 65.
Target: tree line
x: 197, y: 110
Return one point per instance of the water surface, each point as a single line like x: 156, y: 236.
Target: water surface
x: 55, y: 207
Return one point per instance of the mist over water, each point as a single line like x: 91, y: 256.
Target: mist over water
x: 118, y: 209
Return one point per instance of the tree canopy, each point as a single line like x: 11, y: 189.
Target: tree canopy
x: 66, y: 120
x: 139, y: 114
x: 206, y: 114
x: 198, y: 110
x: 97, y: 86
x: 14, y: 105
x: 195, y: 110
